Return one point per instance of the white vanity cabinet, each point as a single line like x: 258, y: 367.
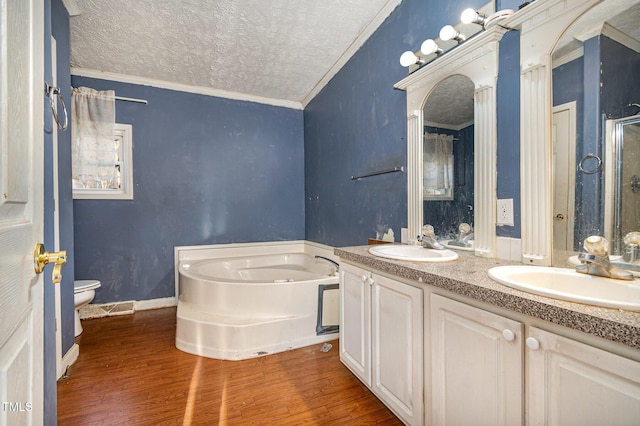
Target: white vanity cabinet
x: 571, y: 383
x: 476, y: 365
x: 479, y: 360
x: 381, y: 339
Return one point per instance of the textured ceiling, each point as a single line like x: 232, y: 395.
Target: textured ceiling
x: 275, y: 49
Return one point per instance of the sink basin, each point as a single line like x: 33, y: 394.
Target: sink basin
x: 567, y: 284
x: 412, y: 253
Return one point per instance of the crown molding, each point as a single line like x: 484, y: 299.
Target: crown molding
x: 199, y: 90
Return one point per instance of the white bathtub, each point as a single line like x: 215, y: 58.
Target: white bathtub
x: 243, y: 307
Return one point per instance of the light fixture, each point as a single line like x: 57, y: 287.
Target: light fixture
x: 449, y: 33
x: 409, y: 58
x: 429, y: 46
x: 471, y: 16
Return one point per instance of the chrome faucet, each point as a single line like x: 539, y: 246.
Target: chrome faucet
x: 465, y: 234
x: 596, y: 260
x: 631, y: 247
x: 428, y: 238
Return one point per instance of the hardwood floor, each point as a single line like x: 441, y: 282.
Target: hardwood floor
x: 129, y: 372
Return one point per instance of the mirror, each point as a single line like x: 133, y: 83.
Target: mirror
x: 448, y: 153
x: 596, y: 64
x: 477, y: 60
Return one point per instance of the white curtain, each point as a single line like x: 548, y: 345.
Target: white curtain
x: 93, y: 149
x: 438, y: 165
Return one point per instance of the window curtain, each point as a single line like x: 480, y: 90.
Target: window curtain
x: 93, y: 149
x: 438, y: 164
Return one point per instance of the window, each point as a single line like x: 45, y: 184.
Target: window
x: 121, y: 186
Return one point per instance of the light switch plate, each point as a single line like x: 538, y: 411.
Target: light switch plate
x: 505, y: 212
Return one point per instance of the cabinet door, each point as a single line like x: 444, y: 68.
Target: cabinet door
x: 355, y: 321
x: 476, y: 366
x: 571, y: 383
x: 397, y: 347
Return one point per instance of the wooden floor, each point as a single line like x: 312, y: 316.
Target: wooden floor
x: 130, y: 373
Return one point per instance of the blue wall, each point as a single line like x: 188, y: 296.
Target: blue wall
x: 357, y: 124
x: 508, y: 133
x: 207, y: 170
x: 210, y: 170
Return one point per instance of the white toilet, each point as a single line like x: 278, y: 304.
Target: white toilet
x: 83, y: 293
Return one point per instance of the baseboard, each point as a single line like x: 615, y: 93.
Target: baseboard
x: 68, y: 359
x: 143, y: 305
x: 124, y: 308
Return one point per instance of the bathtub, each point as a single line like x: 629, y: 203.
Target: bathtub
x: 241, y: 307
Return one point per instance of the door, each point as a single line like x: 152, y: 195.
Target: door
x: 355, y: 321
x: 21, y: 210
x: 396, y: 347
x: 476, y: 366
x: 571, y: 383
x: 564, y: 175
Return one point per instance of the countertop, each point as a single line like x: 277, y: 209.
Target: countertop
x: 468, y: 277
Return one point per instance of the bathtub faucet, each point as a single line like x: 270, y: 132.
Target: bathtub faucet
x: 336, y: 264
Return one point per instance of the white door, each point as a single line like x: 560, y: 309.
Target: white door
x: 396, y: 347
x: 355, y: 321
x: 564, y: 175
x: 570, y: 383
x: 476, y: 366
x: 21, y: 210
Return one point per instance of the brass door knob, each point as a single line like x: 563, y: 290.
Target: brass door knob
x: 559, y: 216
x: 42, y: 258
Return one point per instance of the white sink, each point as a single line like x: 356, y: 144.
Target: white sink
x: 412, y: 253
x: 567, y: 284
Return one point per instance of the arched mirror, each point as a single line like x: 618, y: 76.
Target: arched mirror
x: 448, y: 155
x: 541, y: 24
x: 476, y: 63
x: 596, y: 101
x: 564, y: 34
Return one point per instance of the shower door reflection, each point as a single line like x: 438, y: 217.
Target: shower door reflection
x: 622, y: 211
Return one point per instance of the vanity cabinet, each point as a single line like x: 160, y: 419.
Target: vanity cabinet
x: 476, y: 365
x: 570, y: 382
x: 381, y: 339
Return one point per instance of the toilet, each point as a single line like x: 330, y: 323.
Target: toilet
x: 83, y: 293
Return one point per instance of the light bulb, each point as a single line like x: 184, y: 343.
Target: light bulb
x: 449, y: 33
x: 470, y: 16
x: 429, y: 46
x: 408, y: 58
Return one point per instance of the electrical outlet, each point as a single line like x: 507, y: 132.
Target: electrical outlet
x: 505, y: 212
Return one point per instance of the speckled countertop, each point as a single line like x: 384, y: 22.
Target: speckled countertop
x: 468, y: 277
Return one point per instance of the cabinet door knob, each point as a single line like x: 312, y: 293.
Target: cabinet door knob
x: 532, y: 343
x: 508, y: 335
x: 364, y: 278
x: 371, y: 281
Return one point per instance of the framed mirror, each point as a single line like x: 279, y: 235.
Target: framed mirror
x: 594, y: 80
x: 541, y: 24
x: 477, y: 61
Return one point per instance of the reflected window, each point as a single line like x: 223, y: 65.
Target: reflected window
x: 438, y: 170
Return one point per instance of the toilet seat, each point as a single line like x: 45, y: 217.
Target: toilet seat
x: 84, y: 285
